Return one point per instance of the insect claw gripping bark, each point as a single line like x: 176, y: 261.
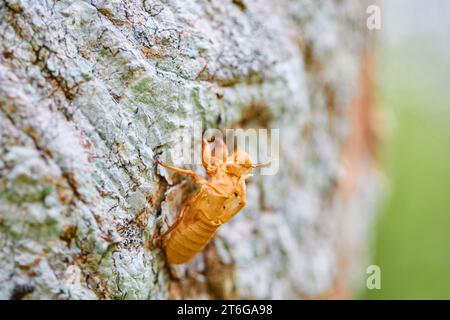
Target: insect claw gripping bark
x: 219, y: 199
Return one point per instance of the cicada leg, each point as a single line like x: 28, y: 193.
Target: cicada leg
x: 220, y: 150
x: 179, y: 170
x: 210, y: 158
x: 183, y: 208
x: 198, y: 180
x: 207, y: 159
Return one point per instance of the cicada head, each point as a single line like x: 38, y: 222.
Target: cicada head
x: 240, y: 164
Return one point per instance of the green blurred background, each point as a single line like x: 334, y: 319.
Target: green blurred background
x: 412, y: 245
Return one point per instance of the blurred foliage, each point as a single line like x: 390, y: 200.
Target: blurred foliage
x: 413, y: 233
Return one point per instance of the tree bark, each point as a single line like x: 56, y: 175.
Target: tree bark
x: 89, y: 94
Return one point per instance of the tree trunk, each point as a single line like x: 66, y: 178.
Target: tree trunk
x: 90, y: 92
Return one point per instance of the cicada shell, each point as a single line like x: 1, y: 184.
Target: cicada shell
x: 220, y: 198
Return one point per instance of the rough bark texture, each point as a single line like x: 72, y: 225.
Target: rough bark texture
x: 89, y: 93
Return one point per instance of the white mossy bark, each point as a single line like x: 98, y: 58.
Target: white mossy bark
x: 90, y: 92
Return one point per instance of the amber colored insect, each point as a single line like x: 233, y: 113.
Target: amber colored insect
x: 220, y: 198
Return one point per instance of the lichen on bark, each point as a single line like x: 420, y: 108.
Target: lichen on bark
x: 90, y: 92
